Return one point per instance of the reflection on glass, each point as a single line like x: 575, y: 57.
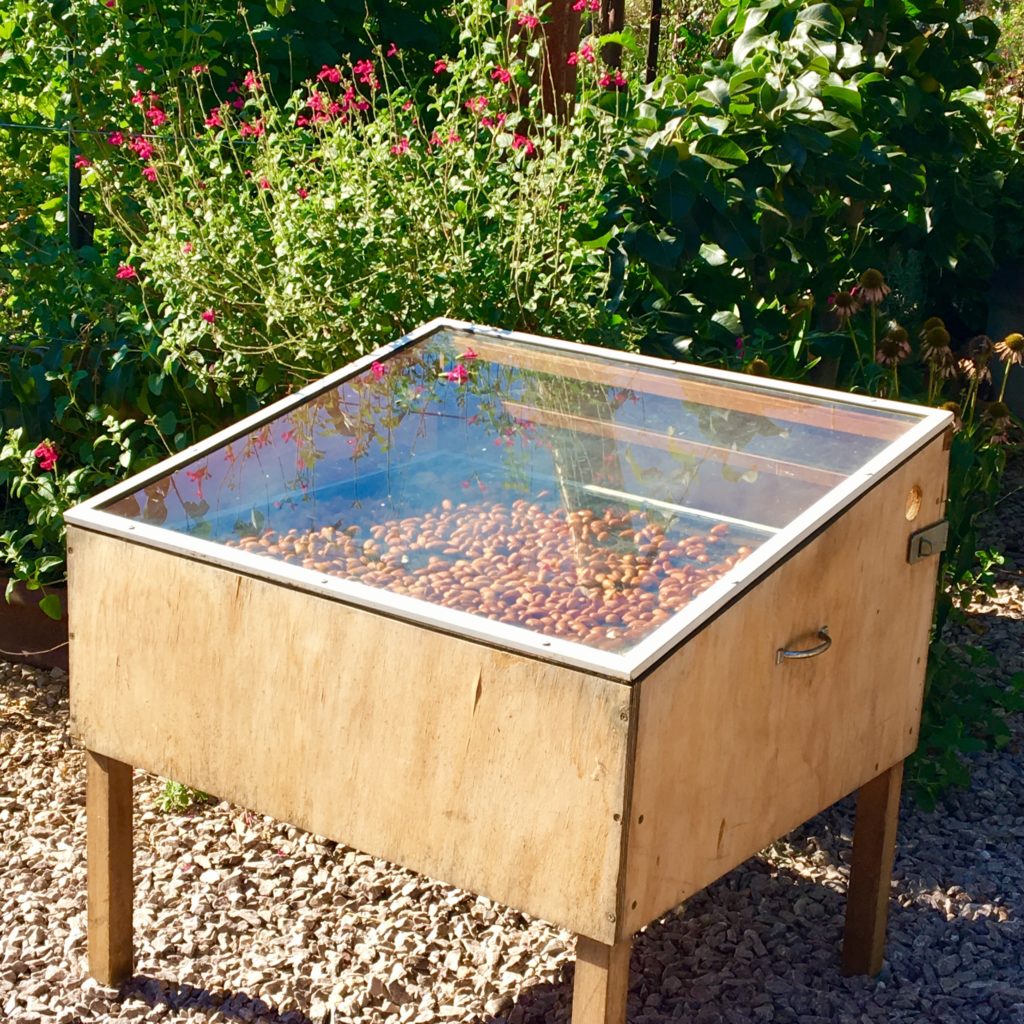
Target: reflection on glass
x: 570, y: 494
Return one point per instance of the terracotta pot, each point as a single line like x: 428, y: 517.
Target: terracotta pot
x: 28, y: 635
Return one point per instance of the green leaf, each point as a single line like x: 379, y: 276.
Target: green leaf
x: 51, y: 606
x: 822, y: 16
x: 719, y: 152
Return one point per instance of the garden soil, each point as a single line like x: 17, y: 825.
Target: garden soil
x: 241, y: 918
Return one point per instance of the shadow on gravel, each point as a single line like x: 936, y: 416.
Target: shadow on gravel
x: 235, y: 1006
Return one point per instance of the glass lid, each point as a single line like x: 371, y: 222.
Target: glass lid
x: 553, y: 488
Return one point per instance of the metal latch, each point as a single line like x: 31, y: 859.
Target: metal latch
x: 929, y: 541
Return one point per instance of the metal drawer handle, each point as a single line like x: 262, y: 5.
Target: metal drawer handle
x: 811, y: 652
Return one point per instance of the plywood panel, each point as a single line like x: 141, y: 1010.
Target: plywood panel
x: 485, y: 769
x: 733, y: 750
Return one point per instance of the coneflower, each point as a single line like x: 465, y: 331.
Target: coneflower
x: 1011, y: 351
x: 872, y: 287
x: 954, y: 408
x: 758, y: 367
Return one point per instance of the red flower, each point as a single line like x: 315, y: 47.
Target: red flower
x: 82, y: 162
x: 142, y: 149
x: 522, y: 142
x: 529, y: 20
x: 301, y: 192
x: 125, y: 272
x: 573, y: 58
x: 587, y: 53
x: 199, y: 69
x: 197, y: 476
x: 46, y: 453
x: 458, y: 374
x: 363, y: 70
x: 609, y: 81
x: 255, y: 129
x: 378, y: 370
x: 214, y: 121
x: 500, y: 74
x: 116, y: 138
x: 149, y: 173
x: 209, y: 316
x: 402, y: 146
x: 329, y: 74
x: 392, y: 50
x: 186, y: 248
x: 469, y: 354
x: 440, y: 67
x: 264, y: 183
x: 477, y: 104
x: 138, y: 98
x: 251, y: 81
x: 156, y: 116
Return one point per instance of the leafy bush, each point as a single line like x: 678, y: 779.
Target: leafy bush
x: 824, y: 143
x: 281, y: 242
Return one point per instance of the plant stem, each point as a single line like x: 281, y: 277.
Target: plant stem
x: 1006, y: 377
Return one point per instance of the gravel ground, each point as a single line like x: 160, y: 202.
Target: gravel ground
x: 241, y: 918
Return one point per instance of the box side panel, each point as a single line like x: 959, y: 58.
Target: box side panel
x: 734, y: 750
x: 488, y: 770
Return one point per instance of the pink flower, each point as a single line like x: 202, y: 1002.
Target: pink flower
x: 138, y: 98
x: 402, y: 146
x: 264, y: 183
x: 287, y: 435
x: 255, y: 129
x: 199, y: 69
x: 475, y: 105
x: 469, y: 354
x: 142, y: 149
x: 301, y: 121
x: 522, y: 142
x: 363, y: 70
x: 587, y: 53
x: 440, y: 67
x: 454, y: 137
x: 126, y: 272
x: 46, y: 453
x: 378, y: 370
x: 500, y: 74
x: 186, y: 248
x: 108, y: 3
x: 610, y: 81
x: 116, y: 138
x: 197, y: 476
x: 149, y: 173
x: 329, y: 74
x: 529, y: 20
x: 251, y: 81
x: 82, y: 162
x: 209, y: 316
x: 301, y: 193
x: 156, y: 116
x: 458, y: 374
x: 214, y: 121
x: 407, y: 105
x: 238, y: 104
x: 392, y: 51
x: 573, y: 58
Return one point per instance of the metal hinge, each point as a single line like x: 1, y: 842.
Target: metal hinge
x: 929, y: 541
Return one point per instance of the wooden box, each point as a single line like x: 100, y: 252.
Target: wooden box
x: 579, y: 631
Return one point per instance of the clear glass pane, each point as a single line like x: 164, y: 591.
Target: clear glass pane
x: 575, y: 495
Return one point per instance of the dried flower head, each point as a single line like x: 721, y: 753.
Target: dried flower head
x: 844, y: 305
x: 973, y: 371
x: 872, y: 287
x: 1011, y: 349
x: 935, y: 345
x: 998, y: 415
x: 958, y: 414
x: 894, y: 348
x: 758, y: 367
x: 981, y: 348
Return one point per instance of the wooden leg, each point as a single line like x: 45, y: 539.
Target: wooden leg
x: 108, y: 805
x: 874, y: 849
x: 602, y: 982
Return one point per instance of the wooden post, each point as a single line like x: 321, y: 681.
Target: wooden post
x: 108, y: 805
x: 602, y: 981
x: 613, y: 19
x: 874, y: 849
x: 561, y: 32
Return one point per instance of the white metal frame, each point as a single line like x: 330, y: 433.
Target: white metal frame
x: 627, y: 666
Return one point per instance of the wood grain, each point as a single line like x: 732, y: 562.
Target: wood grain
x: 874, y: 849
x: 488, y: 770
x: 733, y: 750
x: 601, y: 982
x: 108, y: 804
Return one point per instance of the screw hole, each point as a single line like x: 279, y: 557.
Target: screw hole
x: 616, y: 817
x: 634, y: 905
x: 640, y: 820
